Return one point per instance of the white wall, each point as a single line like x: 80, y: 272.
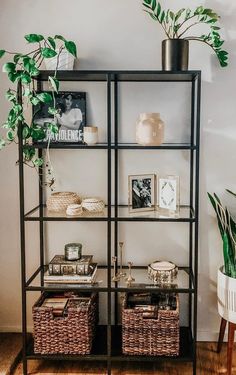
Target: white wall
x: 117, y: 34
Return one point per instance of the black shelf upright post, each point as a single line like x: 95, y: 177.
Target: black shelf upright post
x: 109, y: 187
x: 41, y: 224
x: 196, y: 233
x: 116, y: 185
x: 22, y: 236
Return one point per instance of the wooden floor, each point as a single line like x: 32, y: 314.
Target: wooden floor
x: 10, y: 347
x: 209, y: 362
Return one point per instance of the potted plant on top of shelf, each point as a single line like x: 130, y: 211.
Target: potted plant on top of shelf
x: 175, y: 49
x: 226, y: 286
x: 24, y: 68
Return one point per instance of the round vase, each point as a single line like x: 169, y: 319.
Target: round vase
x: 226, y: 296
x: 175, y: 54
x: 150, y: 129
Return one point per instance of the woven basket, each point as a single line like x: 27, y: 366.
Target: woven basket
x: 157, y: 336
x: 93, y: 204
x: 58, y: 202
x: 71, y: 334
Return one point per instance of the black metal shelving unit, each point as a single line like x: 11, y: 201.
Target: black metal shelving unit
x: 107, y: 346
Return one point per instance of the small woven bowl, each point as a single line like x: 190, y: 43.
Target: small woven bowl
x: 93, y: 204
x: 59, y: 201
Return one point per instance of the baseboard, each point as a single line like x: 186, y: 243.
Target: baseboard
x: 14, y: 329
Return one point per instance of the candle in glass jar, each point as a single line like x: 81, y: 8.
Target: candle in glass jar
x: 90, y: 135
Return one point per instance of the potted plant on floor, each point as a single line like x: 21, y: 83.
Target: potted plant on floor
x: 175, y: 49
x: 24, y: 68
x: 226, y: 287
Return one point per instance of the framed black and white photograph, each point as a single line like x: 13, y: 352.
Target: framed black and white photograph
x: 142, y: 192
x: 71, y: 117
x: 169, y: 196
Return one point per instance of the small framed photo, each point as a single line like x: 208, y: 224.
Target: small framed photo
x: 142, y: 193
x: 71, y: 117
x: 169, y: 196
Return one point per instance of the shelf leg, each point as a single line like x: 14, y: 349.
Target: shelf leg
x: 25, y: 367
x: 221, y: 334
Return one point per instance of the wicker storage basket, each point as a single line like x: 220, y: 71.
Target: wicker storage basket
x: 156, y: 336
x: 71, y: 334
x: 58, y: 202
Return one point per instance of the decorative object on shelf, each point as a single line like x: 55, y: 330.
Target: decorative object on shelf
x: 69, y: 278
x: 175, y: 49
x: 130, y: 279
x: 121, y: 272
x: 90, y: 135
x: 74, y: 210
x: 65, y: 61
x: 73, y: 251
x: 150, y: 129
x: 169, y: 194
x: 23, y: 69
x: 59, y: 201
x: 151, y: 329
x: 60, y: 266
x: 93, y: 204
x: 115, y: 277
x: 59, y: 336
x: 162, y: 272
x: 70, y: 117
x: 142, y: 193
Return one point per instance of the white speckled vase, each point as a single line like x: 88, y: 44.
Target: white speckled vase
x: 150, y: 129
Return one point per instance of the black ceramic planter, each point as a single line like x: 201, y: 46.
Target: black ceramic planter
x: 175, y: 54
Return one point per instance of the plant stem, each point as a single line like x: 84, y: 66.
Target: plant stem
x: 189, y: 27
x: 199, y: 40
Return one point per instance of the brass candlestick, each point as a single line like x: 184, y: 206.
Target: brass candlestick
x: 121, y: 273
x: 115, y: 277
x: 130, y: 279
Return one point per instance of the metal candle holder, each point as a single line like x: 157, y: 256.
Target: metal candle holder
x: 116, y: 276
x: 121, y: 273
x: 130, y: 279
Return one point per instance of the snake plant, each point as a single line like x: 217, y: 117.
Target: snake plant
x: 227, y: 228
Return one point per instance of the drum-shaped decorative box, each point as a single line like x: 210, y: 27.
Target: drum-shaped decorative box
x: 162, y: 272
x: 93, y: 204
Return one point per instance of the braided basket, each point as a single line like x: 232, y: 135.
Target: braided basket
x: 69, y: 334
x: 93, y: 204
x: 58, y: 202
x: 155, y: 336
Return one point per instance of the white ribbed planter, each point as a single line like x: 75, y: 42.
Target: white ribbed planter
x: 226, y: 293
x: 65, y: 62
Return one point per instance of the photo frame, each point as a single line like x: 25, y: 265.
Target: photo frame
x: 71, y: 118
x: 142, y: 192
x: 169, y: 194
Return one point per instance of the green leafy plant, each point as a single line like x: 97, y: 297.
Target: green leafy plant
x: 227, y: 228
x: 24, y: 68
x: 176, y: 25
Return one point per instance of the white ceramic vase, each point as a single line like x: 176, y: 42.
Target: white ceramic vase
x: 226, y: 295
x: 65, y: 62
x: 149, y: 129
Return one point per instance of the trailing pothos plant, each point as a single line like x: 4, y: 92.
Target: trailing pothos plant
x: 227, y: 228
x: 176, y: 25
x: 24, y: 68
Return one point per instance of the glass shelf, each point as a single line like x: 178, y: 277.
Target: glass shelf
x: 186, y: 214
x: 119, y: 146
x: 121, y: 76
x: 142, y: 282
x: 183, y: 284
x: 100, y: 283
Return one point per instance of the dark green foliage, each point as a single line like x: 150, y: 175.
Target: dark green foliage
x: 177, y: 24
x: 227, y: 228
x: 24, y: 67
